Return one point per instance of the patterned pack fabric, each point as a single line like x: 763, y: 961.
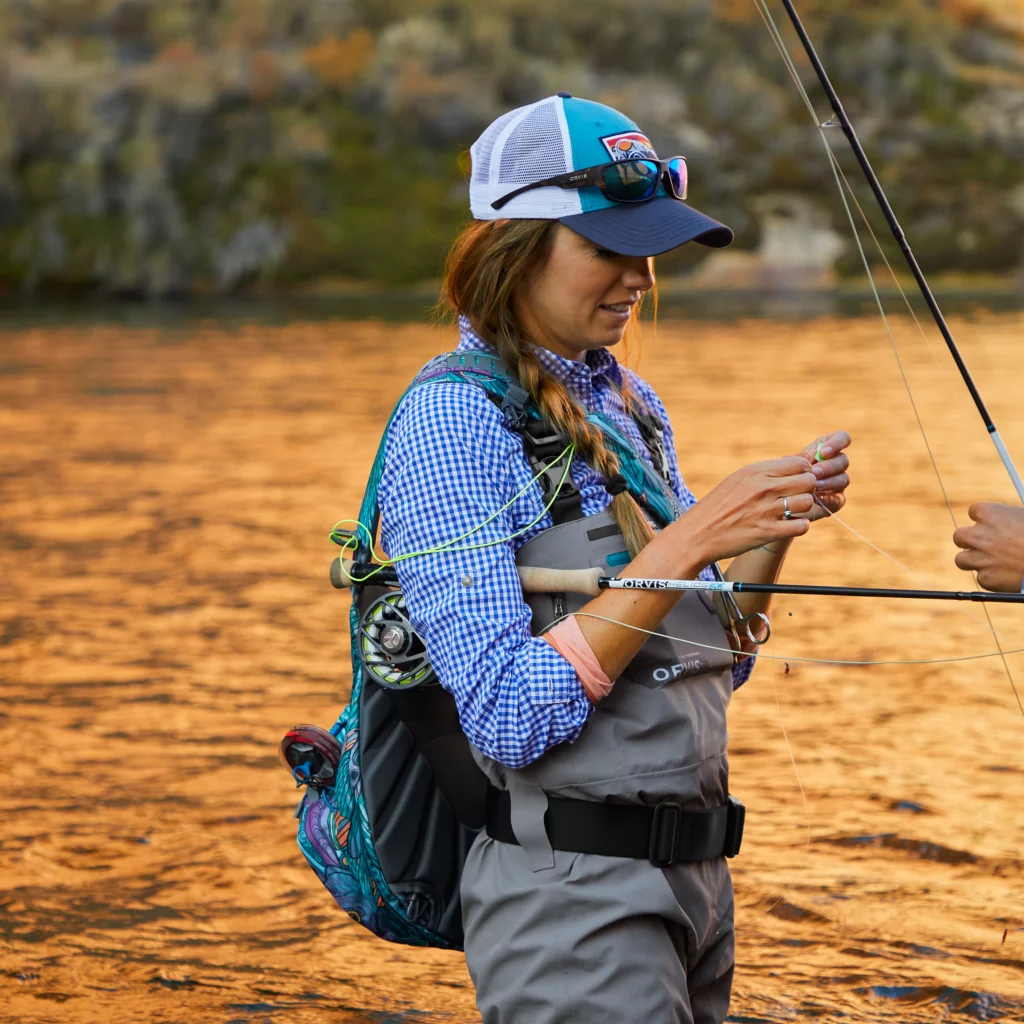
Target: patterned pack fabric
x: 336, y: 838
x: 335, y: 832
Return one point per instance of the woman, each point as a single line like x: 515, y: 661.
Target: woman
x: 599, y: 890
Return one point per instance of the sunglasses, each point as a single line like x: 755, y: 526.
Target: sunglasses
x: 622, y: 181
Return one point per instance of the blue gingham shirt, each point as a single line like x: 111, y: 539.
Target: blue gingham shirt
x: 451, y: 464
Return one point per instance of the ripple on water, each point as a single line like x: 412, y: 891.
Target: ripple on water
x: 922, y: 848
x: 965, y: 1003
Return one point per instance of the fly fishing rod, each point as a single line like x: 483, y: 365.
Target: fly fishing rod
x: 737, y: 587
x: 901, y: 239
x: 592, y: 582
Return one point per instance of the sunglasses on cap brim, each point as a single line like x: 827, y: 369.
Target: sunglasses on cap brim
x: 621, y: 181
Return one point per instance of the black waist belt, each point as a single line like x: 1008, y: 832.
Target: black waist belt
x: 664, y: 834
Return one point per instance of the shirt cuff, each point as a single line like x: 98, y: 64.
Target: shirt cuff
x: 741, y: 671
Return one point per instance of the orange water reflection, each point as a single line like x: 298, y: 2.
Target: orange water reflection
x: 165, y: 615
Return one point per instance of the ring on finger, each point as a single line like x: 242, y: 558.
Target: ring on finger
x: 786, y: 514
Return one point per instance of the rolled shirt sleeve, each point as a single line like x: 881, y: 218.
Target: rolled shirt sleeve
x: 452, y: 470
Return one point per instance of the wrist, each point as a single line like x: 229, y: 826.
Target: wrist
x: 777, y: 547
x: 691, y: 547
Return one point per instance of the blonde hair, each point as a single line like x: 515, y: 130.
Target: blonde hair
x: 487, y: 265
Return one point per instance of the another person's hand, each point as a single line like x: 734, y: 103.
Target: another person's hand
x: 994, y: 547
x: 830, y: 490
x: 746, y: 509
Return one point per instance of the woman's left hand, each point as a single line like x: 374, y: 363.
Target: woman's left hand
x: 831, y: 471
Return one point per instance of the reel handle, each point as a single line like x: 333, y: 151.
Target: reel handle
x: 341, y: 570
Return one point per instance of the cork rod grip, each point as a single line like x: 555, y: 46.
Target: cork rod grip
x: 533, y: 580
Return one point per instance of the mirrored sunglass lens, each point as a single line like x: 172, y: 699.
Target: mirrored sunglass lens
x: 677, y: 175
x: 631, y: 181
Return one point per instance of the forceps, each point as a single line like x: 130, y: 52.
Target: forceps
x: 748, y: 623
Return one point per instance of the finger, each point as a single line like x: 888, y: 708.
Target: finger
x: 802, y: 483
x: 988, y: 579
x: 797, y: 504
x: 788, y: 465
x: 834, y: 483
x: 999, y: 579
x: 969, y: 560
x: 811, y: 450
x: 830, y: 467
x: 831, y: 502
x: 836, y: 442
x: 984, y: 511
x: 963, y: 537
x: 790, y: 528
x: 979, y: 511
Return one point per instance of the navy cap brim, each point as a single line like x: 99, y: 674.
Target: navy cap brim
x: 649, y: 229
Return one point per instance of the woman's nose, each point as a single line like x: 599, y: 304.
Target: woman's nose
x: 638, y: 275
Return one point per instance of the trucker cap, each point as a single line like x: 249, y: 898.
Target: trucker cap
x: 561, y: 134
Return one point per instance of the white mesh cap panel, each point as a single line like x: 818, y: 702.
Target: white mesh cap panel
x: 533, y: 149
x: 480, y: 151
x: 522, y: 146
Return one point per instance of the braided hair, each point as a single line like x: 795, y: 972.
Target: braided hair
x: 486, y: 266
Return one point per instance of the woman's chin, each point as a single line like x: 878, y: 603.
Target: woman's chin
x: 611, y: 326
x: 612, y: 336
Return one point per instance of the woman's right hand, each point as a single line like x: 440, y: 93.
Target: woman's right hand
x: 745, y: 510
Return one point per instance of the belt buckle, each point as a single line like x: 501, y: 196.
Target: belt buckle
x: 735, y: 817
x: 664, y: 834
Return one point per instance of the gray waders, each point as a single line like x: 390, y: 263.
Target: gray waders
x: 555, y: 936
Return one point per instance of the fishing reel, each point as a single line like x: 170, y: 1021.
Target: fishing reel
x: 312, y: 755
x: 390, y: 650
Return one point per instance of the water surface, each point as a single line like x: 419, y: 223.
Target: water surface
x: 165, y: 497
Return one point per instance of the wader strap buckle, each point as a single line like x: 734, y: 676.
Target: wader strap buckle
x: 664, y: 834
x: 513, y: 407
x: 734, y: 827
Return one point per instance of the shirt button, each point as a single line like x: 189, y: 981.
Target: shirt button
x: 467, y: 581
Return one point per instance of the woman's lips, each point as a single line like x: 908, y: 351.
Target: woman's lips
x: 619, y: 310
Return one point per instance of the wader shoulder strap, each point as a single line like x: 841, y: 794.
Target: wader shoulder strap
x: 542, y: 442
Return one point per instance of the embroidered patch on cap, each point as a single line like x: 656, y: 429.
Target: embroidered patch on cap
x: 629, y: 146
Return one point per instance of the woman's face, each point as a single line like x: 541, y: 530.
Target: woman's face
x: 583, y: 297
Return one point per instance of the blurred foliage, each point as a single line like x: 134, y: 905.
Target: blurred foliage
x: 155, y: 146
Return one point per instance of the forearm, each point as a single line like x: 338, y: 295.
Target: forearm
x: 676, y: 553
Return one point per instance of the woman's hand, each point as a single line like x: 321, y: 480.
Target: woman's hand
x: 830, y: 472
x: 745, y: 510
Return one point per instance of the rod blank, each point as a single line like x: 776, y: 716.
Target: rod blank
x: 738, y: 587
x: 901, y: 240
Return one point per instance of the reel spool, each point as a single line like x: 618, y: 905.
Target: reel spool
x: 389, y: 648
x: 311, y: 754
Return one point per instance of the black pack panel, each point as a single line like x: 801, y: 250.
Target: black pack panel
x: 425, y: 797
x: 404, y: 820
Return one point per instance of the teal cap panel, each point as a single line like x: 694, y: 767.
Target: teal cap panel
x: 589, y: 123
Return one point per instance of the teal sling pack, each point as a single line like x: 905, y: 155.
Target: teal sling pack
x: 394, y: 798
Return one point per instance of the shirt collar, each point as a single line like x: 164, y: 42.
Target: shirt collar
x: 600, y: 363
